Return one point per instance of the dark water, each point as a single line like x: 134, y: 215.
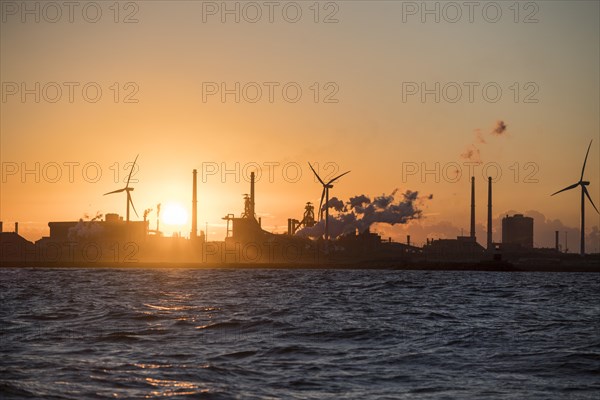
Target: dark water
x: 145, y: 333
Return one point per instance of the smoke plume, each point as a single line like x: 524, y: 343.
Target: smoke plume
x: 85, y: 229
x: 472, y: 152
x: 357, y: 202
x: 86, y: 217
x: 479, y: 136
x: 499, y: 129
x: 359, y: 213
x: 335, y: 203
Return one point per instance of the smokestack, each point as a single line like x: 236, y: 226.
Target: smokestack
x: 408, y: 240
x: 489, y: 221
x: 157, y: 218
x: 1, y: 227
x: 194, y: 205
x: 556, y: 240
x: 17, y: 228
x: 473, y: 207
x: 252, y: 194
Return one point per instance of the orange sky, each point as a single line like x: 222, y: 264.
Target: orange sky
x: 169, y: 54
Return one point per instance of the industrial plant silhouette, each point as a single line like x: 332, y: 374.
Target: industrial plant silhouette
x: 342, y: 240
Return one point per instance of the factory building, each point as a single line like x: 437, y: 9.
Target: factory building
x: 463, y: 248
x: 108, y: 240
x: 517, y: 231
x: 247, y: 241
x: 113, y: 228
x: 14, y: 247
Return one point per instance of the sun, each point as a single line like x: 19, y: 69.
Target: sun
x: 174, y: 214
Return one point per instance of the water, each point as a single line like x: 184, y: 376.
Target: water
x: 219, y: 334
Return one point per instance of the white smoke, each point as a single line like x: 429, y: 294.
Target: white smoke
x: 359, y: 213
x: 85, y: 229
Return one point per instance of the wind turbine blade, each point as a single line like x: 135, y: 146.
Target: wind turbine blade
x: 115, y: 191
x: 130, y: 172
x: 590, y: 199
x: 317, y: 175
x: 321, y: 203
x: 337, y: 177
x: 585, y: 160
x: 131, y: 202
x: 567, y: 188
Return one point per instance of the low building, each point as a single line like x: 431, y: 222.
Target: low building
x: 14, y: 247
x: 463, y: 248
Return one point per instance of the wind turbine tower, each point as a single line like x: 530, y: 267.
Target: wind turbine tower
x: 128, y: 190
x: 584, y: 194
x: 325, y: 194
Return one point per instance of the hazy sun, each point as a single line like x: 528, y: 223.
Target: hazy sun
x: 173, y: 214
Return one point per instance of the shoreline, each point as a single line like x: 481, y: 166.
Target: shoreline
x: 339, y: 265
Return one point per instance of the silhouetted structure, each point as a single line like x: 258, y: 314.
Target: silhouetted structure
x: 472, y: 234
x: 490, y: 245
x: 325, y: 193
x: 14, y: 247
x: 246, y: 241
x: 308, y: 220
x: 127, y: 190
x: 194, y: 232
x: 584, y: 193
x: 117, y: 241
x: 517, y: 231
x: 461, y: 249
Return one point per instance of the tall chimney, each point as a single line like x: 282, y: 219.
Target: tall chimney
x: 157, y: 218
x: 556, y: 240
x: 408, y: 240
x: 0, y: 226
x: 252, y: 194
x: 194, y: 205
x: 489, y: 221
x: 17, y: 228
x: 473, y: 207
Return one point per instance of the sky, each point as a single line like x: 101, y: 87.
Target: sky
x: 398, y: 92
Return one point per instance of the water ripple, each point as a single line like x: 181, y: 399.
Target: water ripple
x: 310, y: 334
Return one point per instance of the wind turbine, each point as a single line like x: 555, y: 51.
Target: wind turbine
x: 325, y: 193
x: 584, y: 193
x: 128, y: 190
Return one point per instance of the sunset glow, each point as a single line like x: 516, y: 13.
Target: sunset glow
x: 174, y: 214
x: 309, y: 199
x: 404, y: 104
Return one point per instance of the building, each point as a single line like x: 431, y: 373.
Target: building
x: 110, y: 240
x: 14, y: 247
x: 461, y: 249
x: 517, y: 231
